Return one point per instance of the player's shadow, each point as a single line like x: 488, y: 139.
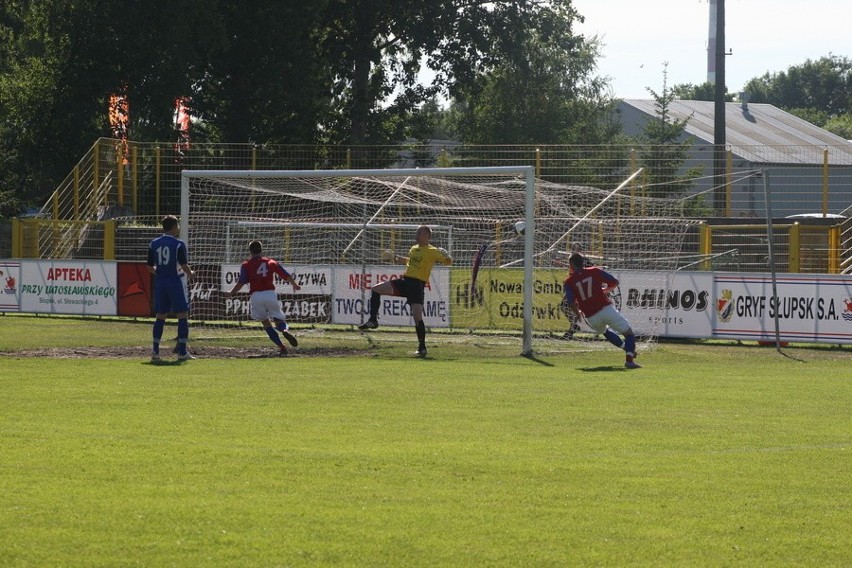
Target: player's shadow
x: 164, y: 363
x: 603, y: 368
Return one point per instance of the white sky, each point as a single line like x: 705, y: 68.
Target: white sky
x: 765, y: 36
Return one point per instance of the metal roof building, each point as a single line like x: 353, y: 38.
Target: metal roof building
x: 792, y: 151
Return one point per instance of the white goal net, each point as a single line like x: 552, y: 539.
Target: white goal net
x: 331, y: 230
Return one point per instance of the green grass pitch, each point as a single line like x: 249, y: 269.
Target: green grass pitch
x: 710, y: 455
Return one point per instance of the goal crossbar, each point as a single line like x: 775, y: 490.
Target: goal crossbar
x: 307, y: 225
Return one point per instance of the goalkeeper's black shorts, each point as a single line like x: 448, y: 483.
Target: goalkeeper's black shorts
x: 412, y: 289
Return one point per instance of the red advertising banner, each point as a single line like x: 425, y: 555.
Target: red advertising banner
x: 135, y: 289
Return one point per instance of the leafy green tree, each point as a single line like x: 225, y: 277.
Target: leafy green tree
x: 819, y: 91
x: 378, y: 47
x: 702, y: 92
x: 546, y: 94
x: 664, y: 152
x: 840, y: 125
x: 264, y: 80
x: 62, y: 59
x: 339, y: 72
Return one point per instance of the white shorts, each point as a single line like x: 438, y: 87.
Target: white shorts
x: 608, y: 317
x: 265, y: 305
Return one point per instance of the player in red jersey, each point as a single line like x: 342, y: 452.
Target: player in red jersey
x: 259, y: 273
x: 587, y: 291
x: 573, y: 320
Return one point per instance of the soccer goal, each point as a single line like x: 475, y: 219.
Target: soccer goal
x: 508, y: 233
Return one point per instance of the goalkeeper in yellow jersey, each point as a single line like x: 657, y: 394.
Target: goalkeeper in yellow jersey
x: 418, y: 267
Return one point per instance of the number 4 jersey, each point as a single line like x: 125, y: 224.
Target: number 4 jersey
x: 259, y: 272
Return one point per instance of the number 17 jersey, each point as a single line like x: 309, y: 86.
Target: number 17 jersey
x: 588, y: 288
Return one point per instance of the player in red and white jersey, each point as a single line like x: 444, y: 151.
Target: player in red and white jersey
x: 587, y: 291
x: 259, y: 273
x: 573, y: 320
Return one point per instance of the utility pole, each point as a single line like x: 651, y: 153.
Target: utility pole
x: 719, y: 140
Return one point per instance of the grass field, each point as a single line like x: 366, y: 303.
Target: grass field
x: 711, y: 455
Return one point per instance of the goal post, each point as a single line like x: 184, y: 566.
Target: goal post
x: 509, y: 234
x: 342, y: 206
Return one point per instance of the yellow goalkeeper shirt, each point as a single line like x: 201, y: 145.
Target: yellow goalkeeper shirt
x: 421, y: 260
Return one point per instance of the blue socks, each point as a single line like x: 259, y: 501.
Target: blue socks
x: 630, y: 344
x: 183, y: 335
x: 158, y: 333
x: 613, y: 338
x: 273, y: 335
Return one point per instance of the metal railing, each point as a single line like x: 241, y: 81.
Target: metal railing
x: 63, y: 239
x: 845, y: 244
x: 744, y: 247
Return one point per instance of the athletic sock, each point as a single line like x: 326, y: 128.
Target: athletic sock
x: 273, y: 335
x: 159, y: 325
x: 280, y: 325
x: 613, y: 338
x: 183, y: 335
x: 375, y: 301
x: 420, y: 328
x: 630, y: 345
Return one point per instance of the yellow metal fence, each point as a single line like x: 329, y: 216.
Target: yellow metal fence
x: 744, y: 247
x: 143, y: 178
x: 140, y: 180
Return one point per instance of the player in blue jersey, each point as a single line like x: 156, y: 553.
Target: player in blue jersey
x: 166, y: 254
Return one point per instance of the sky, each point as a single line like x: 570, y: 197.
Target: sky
x: 765, y: 36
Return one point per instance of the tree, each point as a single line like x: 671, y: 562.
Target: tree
x: 545, y: 94
x: 819, y: 91
x: 341, y: 72
x: 702, y: 92
x: 265, y: 80
x: 665, y: 152
x: 840, y: 125
x: 60, y: 62
x: 378, y: 47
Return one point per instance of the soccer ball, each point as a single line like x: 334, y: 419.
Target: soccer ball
x: 520, y: 227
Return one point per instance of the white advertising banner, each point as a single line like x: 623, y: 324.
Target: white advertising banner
x: 810, y: 308
x: 814, y: 308
x: 68, y: 287
x: 673, y: 305
x: 310, y: 304
x: 10, y: 279
x: 352, y: 294
x: 314, y: 280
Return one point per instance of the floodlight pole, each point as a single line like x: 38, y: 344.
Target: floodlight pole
x: 719, y: 138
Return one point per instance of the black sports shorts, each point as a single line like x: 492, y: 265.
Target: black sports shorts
x: 411, y: 288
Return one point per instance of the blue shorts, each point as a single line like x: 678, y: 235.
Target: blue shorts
x: 170, y: 296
